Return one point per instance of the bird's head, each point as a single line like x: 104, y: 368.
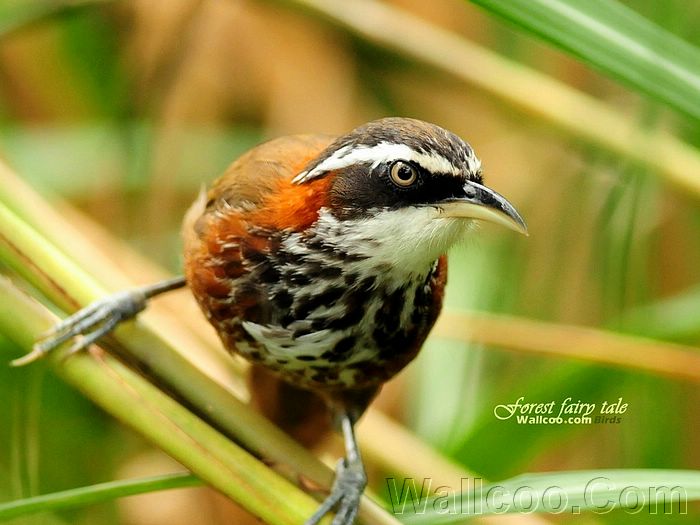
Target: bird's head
x: 404, y: 190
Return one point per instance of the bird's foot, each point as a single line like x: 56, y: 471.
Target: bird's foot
x: 92, y: 322
x: 98, y: 319
x: 349, y: 484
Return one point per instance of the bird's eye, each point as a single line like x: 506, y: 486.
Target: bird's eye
x: 403, y: 174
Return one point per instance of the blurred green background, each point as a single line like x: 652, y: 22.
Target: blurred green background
x: 124, y: 109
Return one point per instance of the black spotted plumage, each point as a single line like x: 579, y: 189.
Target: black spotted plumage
x: 300, y: 295
x: 371, y: 314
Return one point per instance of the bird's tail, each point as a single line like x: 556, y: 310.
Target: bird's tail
x: 300, y: 413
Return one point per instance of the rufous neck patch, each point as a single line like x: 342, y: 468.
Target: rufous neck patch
x: 293, y: 206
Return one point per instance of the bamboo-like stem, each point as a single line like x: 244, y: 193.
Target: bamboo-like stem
x: 47, y: 269
x: 534, y: 94
x: 66, y: 229
x: 568, y: 341
x: 143, y: 407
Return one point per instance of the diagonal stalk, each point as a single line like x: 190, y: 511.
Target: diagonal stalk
x: 528, y: 91
x: 143, y: 407
x: 46, y: 268
x: 574, y: 342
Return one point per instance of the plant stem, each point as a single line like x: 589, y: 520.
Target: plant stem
x: 534, y: 94
x: 143, y: 407
x: 92, y: 494
x: 575, y: 342
x: 45, y: 267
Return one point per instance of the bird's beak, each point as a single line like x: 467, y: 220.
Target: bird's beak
x: 482, y: 203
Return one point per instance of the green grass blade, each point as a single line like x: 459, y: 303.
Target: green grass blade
x: 83, y: 496
x: 615, y: 40
x: 600, y: 491
x: 561, y: 107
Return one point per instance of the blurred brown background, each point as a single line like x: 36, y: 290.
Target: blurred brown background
x: 124, y: 109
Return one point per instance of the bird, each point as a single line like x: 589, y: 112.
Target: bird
x: 322, y: 260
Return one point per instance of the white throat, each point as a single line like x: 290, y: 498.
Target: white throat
x: 408, y: 240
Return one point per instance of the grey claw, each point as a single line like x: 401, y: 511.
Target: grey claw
x: 92, y: 322
x: 109, y: 324
x: 98, y: 319
x: 349, y: 484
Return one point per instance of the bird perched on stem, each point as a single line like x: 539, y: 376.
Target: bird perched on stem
x: 322, y: 260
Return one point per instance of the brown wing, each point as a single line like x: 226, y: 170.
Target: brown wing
x: 213, y: 229
x: 256, y: 190
x: 257, y: 173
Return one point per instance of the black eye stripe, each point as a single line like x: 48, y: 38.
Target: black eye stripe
x: 366, y: 186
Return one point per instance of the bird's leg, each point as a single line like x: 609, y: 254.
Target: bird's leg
x: 350, y: 480
x: 98, y: 319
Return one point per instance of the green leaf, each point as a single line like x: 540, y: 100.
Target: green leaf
x: 95, y: 494
x: 617, y: 41
x: 673, y: 318
x: 573, y: 492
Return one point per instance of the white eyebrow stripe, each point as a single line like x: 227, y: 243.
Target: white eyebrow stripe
x: 383, y: 152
